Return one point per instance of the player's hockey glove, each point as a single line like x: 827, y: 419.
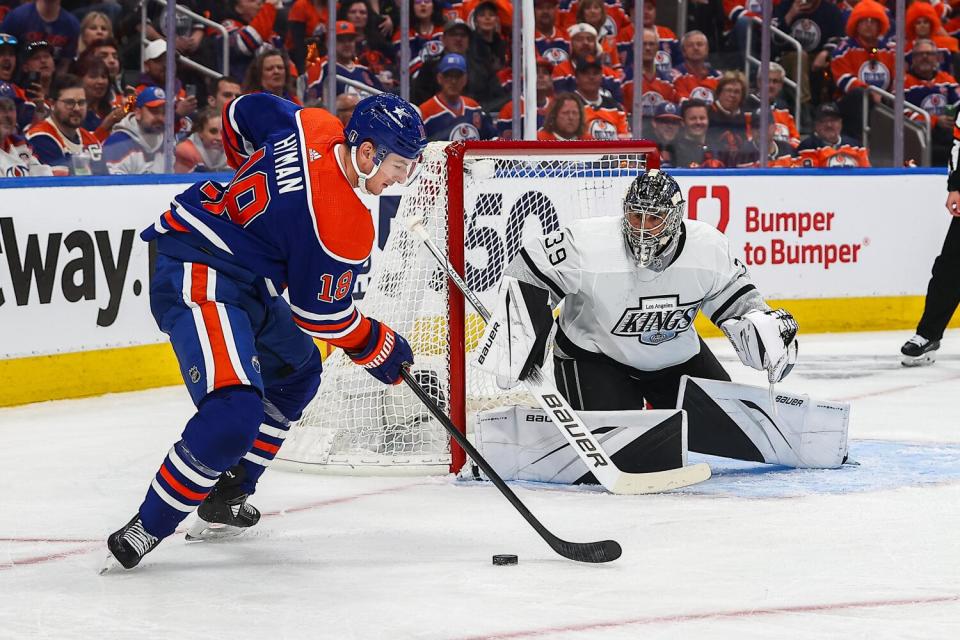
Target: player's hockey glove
x: 765, y: 340
x: 385, y: 353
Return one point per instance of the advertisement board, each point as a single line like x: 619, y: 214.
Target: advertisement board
x: 74, y: 275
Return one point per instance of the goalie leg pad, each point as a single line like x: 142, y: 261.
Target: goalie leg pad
x: 737, y: 421
x: 515, y: 339
x: 520, y: 443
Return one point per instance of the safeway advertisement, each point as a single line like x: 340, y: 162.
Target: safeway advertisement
x: 822, y: 236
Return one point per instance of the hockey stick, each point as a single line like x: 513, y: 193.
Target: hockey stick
x: 602, y: 551
x: 578, y: 435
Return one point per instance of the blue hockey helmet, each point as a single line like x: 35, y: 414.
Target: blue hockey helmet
x: 393, y: 125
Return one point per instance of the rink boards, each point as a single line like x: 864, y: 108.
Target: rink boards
x: 844, y: 250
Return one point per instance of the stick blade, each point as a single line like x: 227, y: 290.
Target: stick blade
x: 592, y: 552
x: 660, y: 481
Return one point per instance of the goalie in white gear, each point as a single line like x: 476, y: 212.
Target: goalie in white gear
x: 631, y: 287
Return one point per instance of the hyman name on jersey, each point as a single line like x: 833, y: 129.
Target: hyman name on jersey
x: 657, y: 320
x: 286, y: 163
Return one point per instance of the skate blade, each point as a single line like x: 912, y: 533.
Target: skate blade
x: 203, y: 531
x: 919, y: 361
x: 110, y: 564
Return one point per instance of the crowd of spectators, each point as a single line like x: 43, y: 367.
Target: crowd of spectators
x: 77, y: 97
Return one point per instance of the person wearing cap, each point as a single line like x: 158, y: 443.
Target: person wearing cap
x: 504, y: 123
x: 136, y: 145
x: 656, y: 87
x: 46, y: 20
x: 828, y: 146
x: 60, y: 141
x: 550, y: 41
x: 565, y: 119
x: 8, y: 56
x: 606, y: 20
x: 347, y: 66
x: 695, y: 78
x: 155, y: 75
x: 665, y: 125
x: 935, y: 91
x: 605, y: 117
x: 37, y: 67
x: 779, y: 153
x: 17, y: 159
x: 455, y: 39
x: 486, y: 56
x: 450, y: 115
x: 862, y: 58
x: 8, y: 68
x: 584, y: 46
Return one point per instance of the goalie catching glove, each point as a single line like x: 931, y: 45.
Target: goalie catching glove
x: 765, y: 340
x: 515, y: 340
x: 386, y: 352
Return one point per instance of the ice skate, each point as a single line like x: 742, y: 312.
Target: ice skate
x: 224, y: 513
x: 918, y: 351
x: 128, y: 546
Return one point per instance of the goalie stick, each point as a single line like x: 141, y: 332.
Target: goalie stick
x: 602, y: 551
x: 577, y: 434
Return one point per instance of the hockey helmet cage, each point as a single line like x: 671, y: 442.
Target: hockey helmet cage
x: 652, y: 212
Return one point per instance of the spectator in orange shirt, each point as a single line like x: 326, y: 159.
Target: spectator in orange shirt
x: 934, y: 91
x: 695, y: 78
x: 786, y: 126
x: 923, y: 21
x: 605, y: 118
x: 656, y: 88
x: 828, y: 147
x: 862, y: 59
x: 565, y: 119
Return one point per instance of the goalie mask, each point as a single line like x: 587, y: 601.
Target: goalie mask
x: 652, y: 211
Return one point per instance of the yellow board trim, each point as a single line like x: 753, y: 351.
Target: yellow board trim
x: 90, y: 373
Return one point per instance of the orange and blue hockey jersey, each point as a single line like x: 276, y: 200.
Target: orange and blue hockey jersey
x: 933, y: 96
x: 289, y: 218
x: 464, y: 122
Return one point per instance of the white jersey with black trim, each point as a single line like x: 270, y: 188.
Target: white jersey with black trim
x: 638, y: 317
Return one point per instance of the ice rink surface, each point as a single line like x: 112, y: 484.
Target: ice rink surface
x: 756, y: 552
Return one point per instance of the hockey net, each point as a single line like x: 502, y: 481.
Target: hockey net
x: 479, y: 201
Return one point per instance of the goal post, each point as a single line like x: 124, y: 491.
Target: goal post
x: 480, y: 200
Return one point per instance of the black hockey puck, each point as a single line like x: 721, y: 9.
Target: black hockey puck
x: 504, y: 559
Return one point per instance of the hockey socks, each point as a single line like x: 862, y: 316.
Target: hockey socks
x: 273, y: 431
x: 223, y: 429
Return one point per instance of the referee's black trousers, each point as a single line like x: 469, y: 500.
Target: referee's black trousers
x: 943, y: 292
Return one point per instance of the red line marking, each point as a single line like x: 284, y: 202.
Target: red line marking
x: 100, y: 545
x: 905, y: 387
x: 712, y: 615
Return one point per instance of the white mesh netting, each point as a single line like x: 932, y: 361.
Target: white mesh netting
x: 358, y: 425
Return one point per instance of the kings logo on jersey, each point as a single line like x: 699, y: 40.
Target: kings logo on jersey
x: 657, y: 320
